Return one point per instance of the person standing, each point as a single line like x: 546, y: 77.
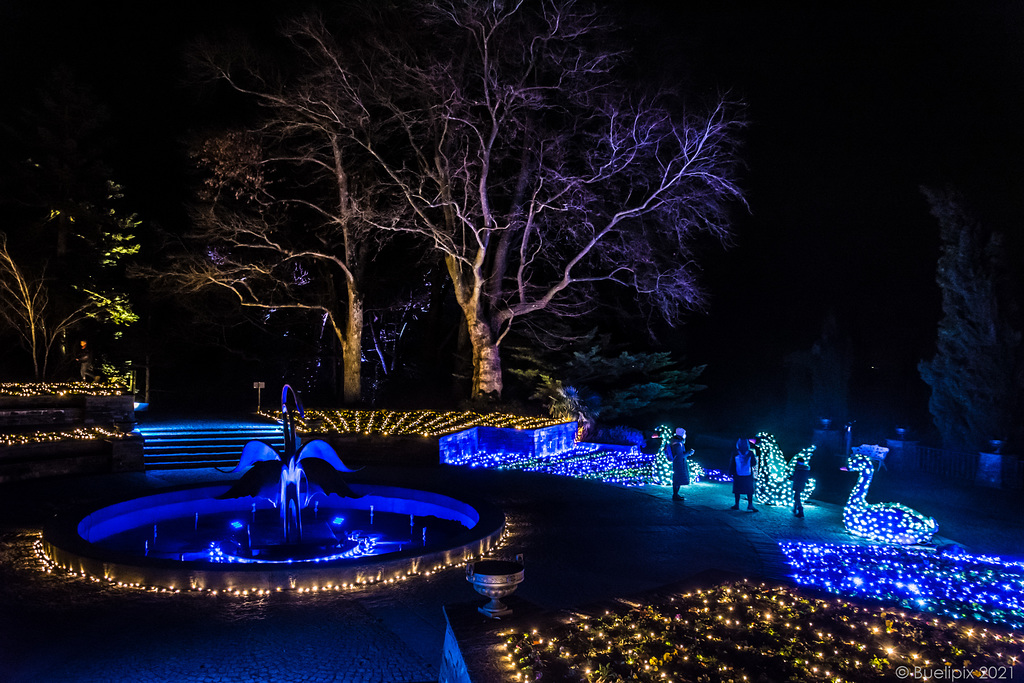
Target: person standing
x: 742, y: 468
x: 679, y: 456
x: 801, y: 473
x: 84, y: 358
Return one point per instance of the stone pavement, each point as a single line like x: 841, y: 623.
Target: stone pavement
x: 584, y: 542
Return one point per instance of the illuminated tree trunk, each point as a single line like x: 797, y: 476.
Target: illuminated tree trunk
x: 468, y: 283
x: 351, y: 348
x: 486, y: 361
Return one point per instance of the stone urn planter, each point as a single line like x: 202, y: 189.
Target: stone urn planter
x: 495, y: 579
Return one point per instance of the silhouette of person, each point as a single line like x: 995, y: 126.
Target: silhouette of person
x: 679, y: 456
x: 84, y: 360
x: 742, y: 468
x: 801, y: 473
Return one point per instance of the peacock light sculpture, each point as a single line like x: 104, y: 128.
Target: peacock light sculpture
x: 662, y: 465
x: 885, y: 522
x: 773, y: 485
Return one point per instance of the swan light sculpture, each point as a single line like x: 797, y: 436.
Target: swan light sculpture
x: 885, y: 522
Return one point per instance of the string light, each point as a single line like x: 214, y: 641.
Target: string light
x: 402, y: 423
x: 50, y: 436
x: 50, y: 566
x: 885, y: 522
x: 951, y: 583
x: 626, y: 466
x: 740, y: 631
x: 773, y: 483
x: 62, y: 389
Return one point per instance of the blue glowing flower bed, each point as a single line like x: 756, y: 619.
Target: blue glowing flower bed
x: 952, y: 583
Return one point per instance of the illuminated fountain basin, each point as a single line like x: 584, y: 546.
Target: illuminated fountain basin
x: 188, y: 539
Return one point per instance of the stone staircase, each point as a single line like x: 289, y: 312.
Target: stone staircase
x: 171, y: 446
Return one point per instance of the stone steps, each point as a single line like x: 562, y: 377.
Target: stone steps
x: 192, y: 447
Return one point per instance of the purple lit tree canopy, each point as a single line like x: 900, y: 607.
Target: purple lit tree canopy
x: 526, y: 162
x: 513, y: 146
x: 537, y: 174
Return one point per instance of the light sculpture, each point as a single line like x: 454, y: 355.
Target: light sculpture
x: 696, y: 471
x: 951, y: 583
x: 773, y: 485
x: 885, y: 522
x: 285, y: 479
x: 662, y: 475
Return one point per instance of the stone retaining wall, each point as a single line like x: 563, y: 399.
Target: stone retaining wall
x: 26, y: 414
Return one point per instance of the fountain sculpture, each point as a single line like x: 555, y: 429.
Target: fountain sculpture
x: 290, y: 481
x: 291, y: 521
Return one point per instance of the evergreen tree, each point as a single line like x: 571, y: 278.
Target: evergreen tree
x: 976, y: 372
x: 613, y: 386
x: 67, y: 235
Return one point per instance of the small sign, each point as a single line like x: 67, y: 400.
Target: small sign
x: 259, y: 385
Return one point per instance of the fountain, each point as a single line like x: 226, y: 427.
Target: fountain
x: 291, y: 521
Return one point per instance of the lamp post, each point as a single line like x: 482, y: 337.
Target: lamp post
x: 259, y: 387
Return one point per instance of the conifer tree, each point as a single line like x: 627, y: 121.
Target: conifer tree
x: 976, y: 372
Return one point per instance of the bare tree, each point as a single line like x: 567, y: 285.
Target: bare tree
x: 506, y: 133
x: 26, y: 308
x: 530, y: 167
x: 288, y: 218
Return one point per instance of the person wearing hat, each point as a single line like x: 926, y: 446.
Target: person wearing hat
x: 679, y: 455
x: 742, y: 469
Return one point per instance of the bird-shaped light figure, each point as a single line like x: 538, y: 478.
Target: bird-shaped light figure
x: 774, y: 484
x: 885, y: 522
x: 287, y: 480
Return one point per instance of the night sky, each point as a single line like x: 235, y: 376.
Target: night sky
x: 850, y: 111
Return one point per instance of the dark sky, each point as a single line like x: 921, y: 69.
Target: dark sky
x: 851, y: 109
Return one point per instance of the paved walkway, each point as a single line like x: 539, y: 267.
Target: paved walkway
x: 583, y: 542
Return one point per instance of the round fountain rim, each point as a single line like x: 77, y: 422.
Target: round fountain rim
x: 64, y: 547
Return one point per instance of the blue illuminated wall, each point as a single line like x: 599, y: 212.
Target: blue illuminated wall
x: 462, y: 448
x: 552, y: 450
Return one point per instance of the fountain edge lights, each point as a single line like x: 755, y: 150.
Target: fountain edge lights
x: 62, y: 548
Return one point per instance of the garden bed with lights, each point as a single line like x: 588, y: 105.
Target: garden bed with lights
x: 80, y: 451
x: 66, y: 428
x: 65, y: 403
x: 745, y: 632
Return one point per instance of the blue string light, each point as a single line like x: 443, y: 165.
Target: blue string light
x: 952, y: 583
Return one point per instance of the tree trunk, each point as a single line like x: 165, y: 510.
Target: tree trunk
x: 486, y: 356
x: 352, y: 348
x: 486, y: 360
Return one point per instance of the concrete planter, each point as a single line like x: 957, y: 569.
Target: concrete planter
x: 495, y: 579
